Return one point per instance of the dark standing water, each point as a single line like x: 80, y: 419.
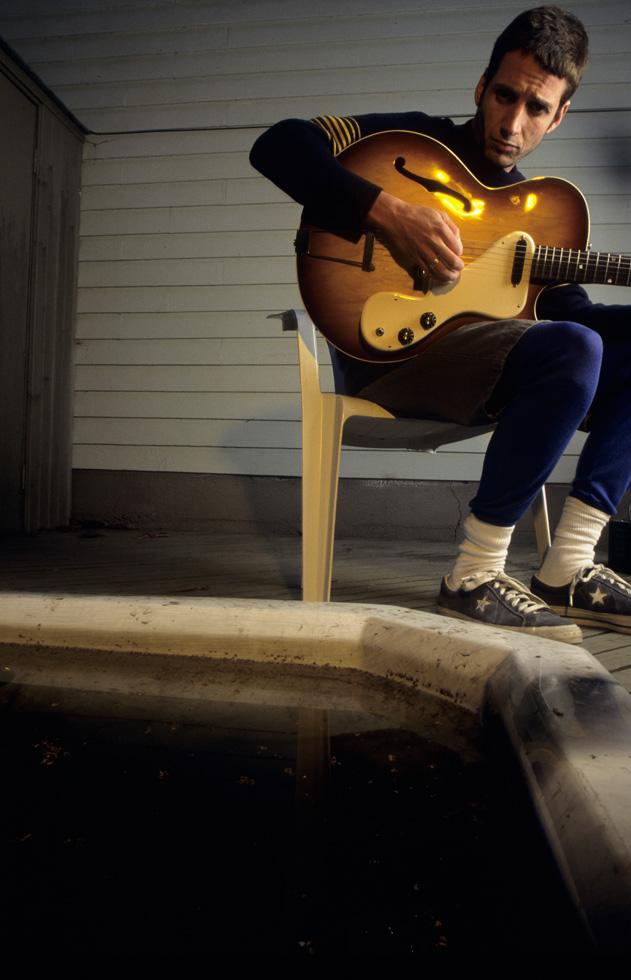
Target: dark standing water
x: 135, y: 833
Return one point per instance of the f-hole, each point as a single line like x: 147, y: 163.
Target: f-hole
x: 433, y: 186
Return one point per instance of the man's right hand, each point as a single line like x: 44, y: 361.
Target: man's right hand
x: 421, y: 240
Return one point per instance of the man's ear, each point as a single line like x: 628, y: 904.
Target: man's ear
x: 479, y: 89
x: 558, y: 119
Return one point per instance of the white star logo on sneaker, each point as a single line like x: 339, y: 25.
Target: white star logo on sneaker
x: 598, y: 597
x: 481, y: 604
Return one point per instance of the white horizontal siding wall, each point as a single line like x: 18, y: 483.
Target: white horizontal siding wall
x: 185, y: 250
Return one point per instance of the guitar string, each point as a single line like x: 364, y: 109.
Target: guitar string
x: 484, y: 247
x: 594, y: 258
x: 558, y: 263
x: 566, y: 259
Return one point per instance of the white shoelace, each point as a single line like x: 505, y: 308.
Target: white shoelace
x: 516, y: 594
x: 587, y: 573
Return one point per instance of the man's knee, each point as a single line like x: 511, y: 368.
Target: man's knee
x: 573, y: 343
x: 568, y: 355
x: 556, y: 360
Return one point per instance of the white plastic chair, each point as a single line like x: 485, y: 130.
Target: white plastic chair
x: 330, y: 421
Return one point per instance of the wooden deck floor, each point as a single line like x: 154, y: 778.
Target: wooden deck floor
x: 244, y: 566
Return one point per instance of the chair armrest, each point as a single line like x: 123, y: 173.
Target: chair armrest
x: 289, y: 318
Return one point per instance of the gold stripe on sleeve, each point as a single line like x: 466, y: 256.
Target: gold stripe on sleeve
x: 324, y: 122
x: 346, y: 129
x: 342, y: 131
x: 339, y: 132
x: 336, y: 133
x: 355, y: 126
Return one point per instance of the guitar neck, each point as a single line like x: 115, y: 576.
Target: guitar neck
x: 580, y: 265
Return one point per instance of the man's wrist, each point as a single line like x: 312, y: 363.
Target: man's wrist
x: 381, y: 212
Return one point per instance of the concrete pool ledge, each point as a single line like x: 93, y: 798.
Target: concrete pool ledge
x: 568, y: 722
x: 449, y: 658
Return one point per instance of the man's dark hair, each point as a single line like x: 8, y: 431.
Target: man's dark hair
x: 554, y: 37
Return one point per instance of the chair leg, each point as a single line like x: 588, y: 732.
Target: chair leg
x: 321, y: 445
x: 542, y: 523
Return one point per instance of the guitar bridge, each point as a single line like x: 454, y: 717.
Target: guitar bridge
x: 305, y: 238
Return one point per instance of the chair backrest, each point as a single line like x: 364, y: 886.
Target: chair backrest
x: 307, y: 347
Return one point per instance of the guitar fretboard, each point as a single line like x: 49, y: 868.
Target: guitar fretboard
x: 580, y: 265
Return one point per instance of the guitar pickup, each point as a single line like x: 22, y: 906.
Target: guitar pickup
x: 305, y: 240
x: 517, y: 272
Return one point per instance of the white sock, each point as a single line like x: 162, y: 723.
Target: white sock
x: 483, y: 550
x: 574, y: 542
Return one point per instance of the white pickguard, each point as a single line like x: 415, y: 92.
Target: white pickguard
x: 484, y: 289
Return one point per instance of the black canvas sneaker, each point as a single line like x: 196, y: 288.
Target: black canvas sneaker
x: 495, y: 599
x: 596, y: 596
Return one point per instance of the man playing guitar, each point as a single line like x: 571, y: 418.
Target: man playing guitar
x: 539, y: 379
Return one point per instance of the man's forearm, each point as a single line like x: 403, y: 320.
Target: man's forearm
x: 296, y: 156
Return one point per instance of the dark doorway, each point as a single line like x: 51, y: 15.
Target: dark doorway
x: 18, y: 121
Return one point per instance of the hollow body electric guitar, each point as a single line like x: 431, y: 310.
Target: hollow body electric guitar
x: 516, y: 240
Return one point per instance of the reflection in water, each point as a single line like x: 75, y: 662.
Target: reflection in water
x: 140, y: 824
x: 313, y: 752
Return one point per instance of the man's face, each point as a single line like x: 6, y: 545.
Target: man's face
x: 516, y: 108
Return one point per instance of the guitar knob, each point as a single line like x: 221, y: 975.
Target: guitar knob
x: 406, y: 336
x: 428, y: 320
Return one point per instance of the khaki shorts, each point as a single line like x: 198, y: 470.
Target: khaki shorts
x: 454, y: 379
